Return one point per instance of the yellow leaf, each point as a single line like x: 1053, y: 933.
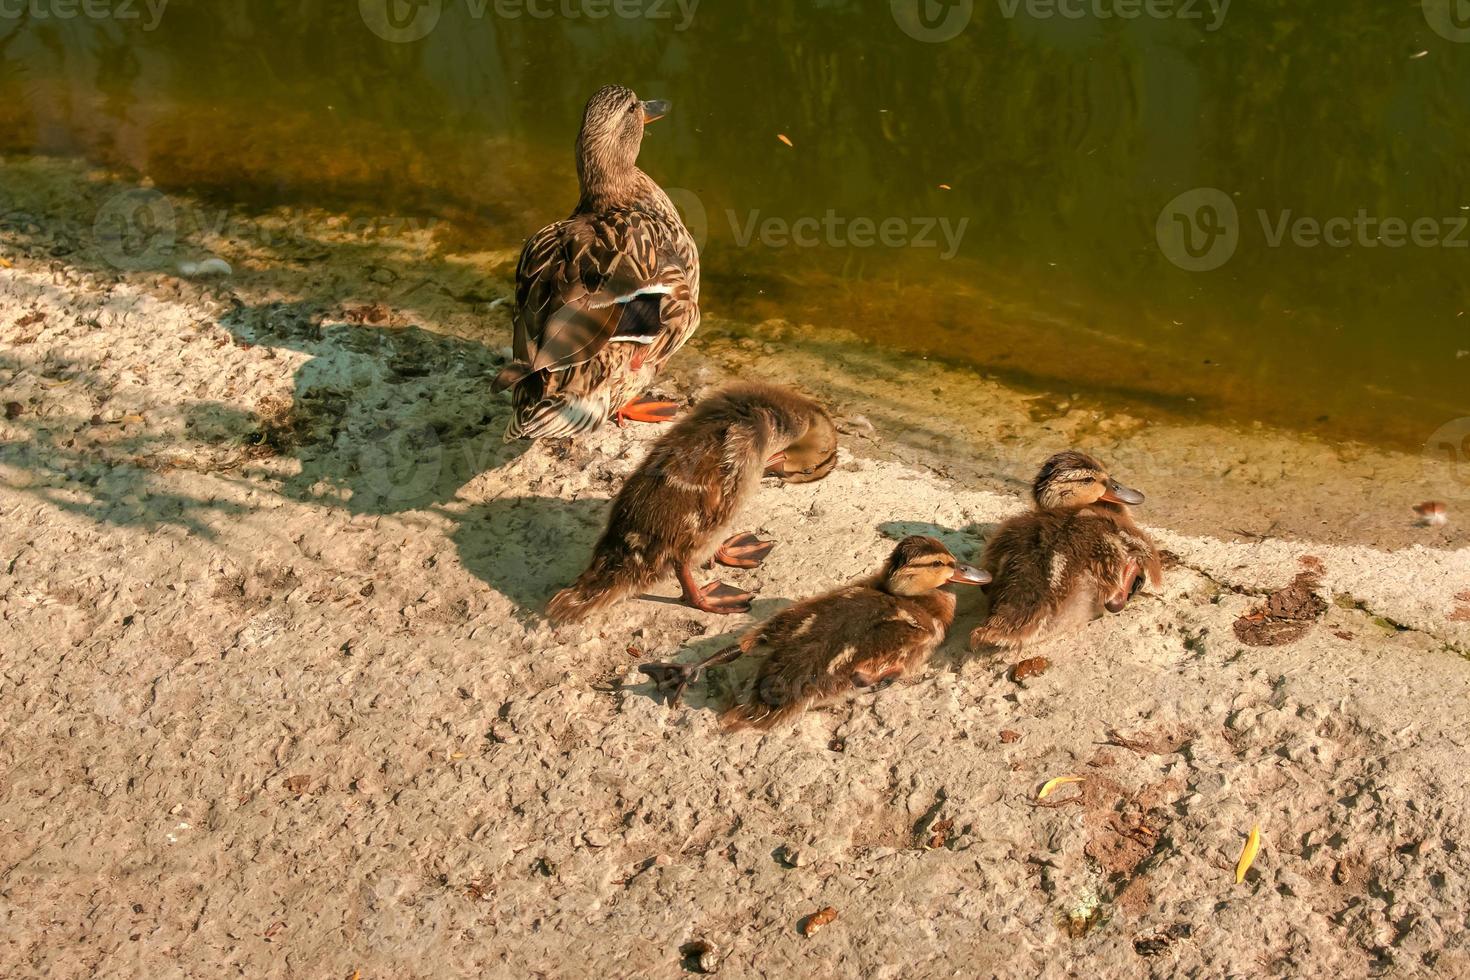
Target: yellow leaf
x: 945, y: 187
x: 1052, y: 784
x: 1252, y: 846
x: 6, y: 264
x: 785, y: 139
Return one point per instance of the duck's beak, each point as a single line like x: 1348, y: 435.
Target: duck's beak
x: 969, y: 575
x: 655, y: 109
x: 1119, y: 494
x: 776, y: 465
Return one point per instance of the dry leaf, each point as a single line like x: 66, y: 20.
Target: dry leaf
x: 939, y: 834
x: 1034, y: 667
x: 1052, y: 784
x: 1252, y: 847
x: 817, y: 920
x: 298, y: 784
x: 1007, y: 736
x: 785, y: 139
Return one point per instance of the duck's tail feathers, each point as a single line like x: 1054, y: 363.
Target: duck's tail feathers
x: 555, y: 417
x: 511, y: 375
x: 614, y: 574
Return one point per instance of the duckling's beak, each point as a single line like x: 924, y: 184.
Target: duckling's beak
x: 969, y: 575
x: 1119, y: 494
x: 776, y: 465
x: 655, y: 109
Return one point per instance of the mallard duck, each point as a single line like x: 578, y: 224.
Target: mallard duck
x: 864, y: 635
x: 604, y: 298
x: 684, y: 493
x: 1075, y: 555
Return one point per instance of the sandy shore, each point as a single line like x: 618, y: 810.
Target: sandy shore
x: 279, y: 701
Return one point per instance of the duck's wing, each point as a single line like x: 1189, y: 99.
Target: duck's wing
x: 587, y: 282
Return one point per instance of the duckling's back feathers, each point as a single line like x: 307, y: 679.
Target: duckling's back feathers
x: 816, y: 648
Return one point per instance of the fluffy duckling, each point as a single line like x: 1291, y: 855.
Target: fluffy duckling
x: 682, y: 497
x: 1076, y: 554
x: 868, y: 634
x: 607, y: 296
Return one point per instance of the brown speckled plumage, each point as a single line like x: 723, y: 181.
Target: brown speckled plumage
x: 867, y: 634
x: 607, y: 296
x: 1076, y: 554
x: 673, y: 509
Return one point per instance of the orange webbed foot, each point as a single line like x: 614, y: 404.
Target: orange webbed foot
x: 1131, y: 582
x: 646, y: 410
x: 744, y: 551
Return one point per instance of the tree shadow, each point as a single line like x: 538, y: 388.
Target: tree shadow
x: 101, y: 465
x: 384, y: 417
x: 382, y: 420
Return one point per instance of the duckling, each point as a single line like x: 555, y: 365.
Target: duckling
x: 1075, y: 555
x: 864, y: 635
x: 607, y: 296
x: 687, y: 489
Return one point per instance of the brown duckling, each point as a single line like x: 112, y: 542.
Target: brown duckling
x: 1075, y: 555
x: 868, y: 634
x: 682, y: 497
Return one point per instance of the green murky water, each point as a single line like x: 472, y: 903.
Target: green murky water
x: 1246, y: 211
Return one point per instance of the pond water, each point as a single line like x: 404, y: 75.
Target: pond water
x: 1242, y: 212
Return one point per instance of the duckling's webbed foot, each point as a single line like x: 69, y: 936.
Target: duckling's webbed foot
x: 717, y: 597
x: 672, y: 679
x: 646, y: 410
x: 744, y: 551
x: 676, y: 678
x: 1129, y: 583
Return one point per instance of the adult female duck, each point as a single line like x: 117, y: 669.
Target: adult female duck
x: 604, y: 298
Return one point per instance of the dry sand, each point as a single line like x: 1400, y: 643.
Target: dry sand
x: 278, y: 700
